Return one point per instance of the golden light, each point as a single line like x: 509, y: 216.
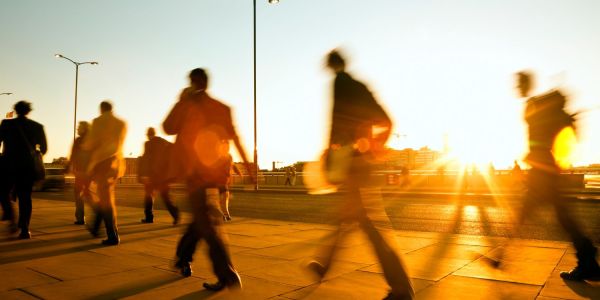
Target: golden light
x: 565, y: 148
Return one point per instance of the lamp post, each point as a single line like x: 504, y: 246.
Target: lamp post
x: 77, y: 64
x: 254, y: 64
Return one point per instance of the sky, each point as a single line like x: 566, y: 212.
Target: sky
x: 440, y: 68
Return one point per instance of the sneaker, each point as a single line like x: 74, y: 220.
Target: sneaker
x: 184, y: 267
x: 391, y: 296
x: 317, y: 268
x: 581, y: 273
x: 234, y: 283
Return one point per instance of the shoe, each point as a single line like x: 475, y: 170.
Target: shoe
x: 176, y: 219
x: 147, y: 221
x: 25, y: 235
x: 79, y: 222
x: 184, y: 267
x: 581, y: 273
x: 234, y: 283
x: 111, y: 242
x: 317, y: 268
x: 94, y: 232
x: 391, y: 296
x: 226, y: 218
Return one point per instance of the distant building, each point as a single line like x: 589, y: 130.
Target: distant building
x: 401, y: 158
x: 425, y: 157
x: 131, y: 166
x: 412, y: 159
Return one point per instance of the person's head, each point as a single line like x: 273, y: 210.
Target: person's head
x: 83, y: 128
x: 335, y: 61
x: 105, y: 106
x: 22, y: 108
x: 198, y: 79
x: 524, y: 80
x: 150, y: 133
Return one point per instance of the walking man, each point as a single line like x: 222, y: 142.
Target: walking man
x: 546, y: 116
x: 154, y: 162
x: 204, y: 127
x: 21, y: 139
x: 105, y: 141
x: 353, y: 147
x: 79, y: 162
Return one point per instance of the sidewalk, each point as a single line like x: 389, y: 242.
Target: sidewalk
x: 62, y: 261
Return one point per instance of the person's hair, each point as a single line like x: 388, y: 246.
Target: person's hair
x: 335, y: 59
x: 85, y: 125
x: 525, y: 76
x: 22, y: 108
x: 199, y: 77
x: 105, y: 106
x: 151, y: 131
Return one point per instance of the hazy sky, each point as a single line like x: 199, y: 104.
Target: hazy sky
x: 439, y: 67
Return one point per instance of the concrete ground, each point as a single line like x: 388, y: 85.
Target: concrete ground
x: 62, y: 261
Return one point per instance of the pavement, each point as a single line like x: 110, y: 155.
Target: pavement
x: 62, y: 261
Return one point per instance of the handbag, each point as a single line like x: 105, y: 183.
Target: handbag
x: 337, y: 164
x: 37, y: 161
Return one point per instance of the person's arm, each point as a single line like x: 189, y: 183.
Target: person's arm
x: 240, y: 149
x: 43, y: 143
x: 172, y: 124
x: 89, y: 143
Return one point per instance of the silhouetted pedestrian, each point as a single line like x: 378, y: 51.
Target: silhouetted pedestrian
x: 204, y: 128
x: 23, y: 142
x: 353, y: 147
x: 105, y: 141
x: 546, y: 116
x: 153, y: 166
x: 224, y: 191
x: 79, y: 163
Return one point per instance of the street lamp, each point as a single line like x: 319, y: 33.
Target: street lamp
x: 77, y: 64
x: 254, y: 51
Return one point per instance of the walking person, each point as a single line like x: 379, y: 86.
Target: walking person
x: 106, y: 166
x: 204, y: 127
x: 546, y: 116
x: 22, y: 139
x: 288, y: 176
x: 224, y: 191
x: 79, y: 163
x: 352, y: 149
x: 154, y: 162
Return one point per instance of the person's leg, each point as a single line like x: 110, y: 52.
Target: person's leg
x: 148, y: 203
x: 79, y: 195
x: 186, y: 248
x: 587, y: 266
x: 6, y: 187
x: 224, y: 201
x: 171, y: 207
x: 106, y: 194
x: 23, y: 189
x: 378, y: 228
x: 209, y: 225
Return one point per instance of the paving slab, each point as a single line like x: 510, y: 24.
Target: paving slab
x: 353, y: 285
x: 16, y: 295
x: 426, y: 267
x: 557, y: 287
x: 62, y: 261
x: 296, y: 273
x: 460, y: 288
x: 111, y: 286
x: 15, y: 276
x: 525, y: 272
